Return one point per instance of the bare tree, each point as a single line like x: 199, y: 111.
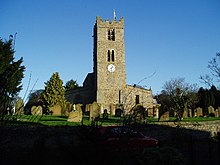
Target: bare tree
x: 214, y: 66
x: 181, y: 95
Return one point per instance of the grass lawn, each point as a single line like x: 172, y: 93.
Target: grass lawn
x: 50, y: 120
x: 112, y: 120
x: 200, y: 119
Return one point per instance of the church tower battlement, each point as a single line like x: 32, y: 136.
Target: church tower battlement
x: 112, y: 23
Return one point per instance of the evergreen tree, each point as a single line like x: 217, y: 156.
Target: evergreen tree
x: 71, y: 84
x: 217, y: 99
x: 206, y: 101
x: 216, y: 95
x: 54, y: 93
x: 202, y: 99
x: 209, y: 97
x: 11, y: 74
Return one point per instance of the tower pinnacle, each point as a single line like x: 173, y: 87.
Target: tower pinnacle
x: 114, y: 15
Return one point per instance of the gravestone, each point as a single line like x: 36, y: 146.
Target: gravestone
x: 112, y: 109
x: 185, y: 113
x: 190, y: 113
x: 218, y: 112
x: 95, y: 110
x: 33, y: 109
x: 118, y: 112
x: 195, y: 113
x: 164, y: 117
x: 199, y: 112
x: 157, y: 113
x: 150, y: 112
x: 67, y: 109
x: 105, y: 114
x: 76, y: 115
x: 78, y: 107
x: 56, y: 110
x: 18, y: 112
x: 88, y: 107
x: 19, y: 107
x: 36, y: 110
x: 211, y: 110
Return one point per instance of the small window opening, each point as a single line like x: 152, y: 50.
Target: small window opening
x: 137, y: 99
x: 119, y: 96
x: 111, y: 34
x: 113, y: 55
x: 109, y: 56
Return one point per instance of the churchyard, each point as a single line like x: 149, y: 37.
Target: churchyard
x: 70, y: 138
x: 52, y: 141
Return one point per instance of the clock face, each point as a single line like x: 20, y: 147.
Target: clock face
x: 111, y: 68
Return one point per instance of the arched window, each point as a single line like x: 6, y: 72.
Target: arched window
x: 113, y: 55
x: 109, y: 56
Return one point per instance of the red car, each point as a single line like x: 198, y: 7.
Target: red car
x: 124, y: 139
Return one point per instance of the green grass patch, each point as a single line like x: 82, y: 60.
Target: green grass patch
x: 200, y: 119
x: 53, y: 118
x: 50, y: 120
x: 62, y: 121
x: 111, y: 121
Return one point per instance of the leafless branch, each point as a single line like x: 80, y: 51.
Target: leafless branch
x: 214, y: 66
x: 206, y: 79
x: 147, y: 77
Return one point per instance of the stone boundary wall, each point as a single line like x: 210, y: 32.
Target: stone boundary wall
x: 209, y: 126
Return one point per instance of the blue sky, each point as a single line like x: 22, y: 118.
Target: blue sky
x: 174, y: 38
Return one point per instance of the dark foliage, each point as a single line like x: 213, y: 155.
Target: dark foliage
x: 35, y: 99
x: 209, y: 97
x: 71, y: 84
x: 11, y: 74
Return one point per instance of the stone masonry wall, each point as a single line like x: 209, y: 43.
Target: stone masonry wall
x: 209, y: 126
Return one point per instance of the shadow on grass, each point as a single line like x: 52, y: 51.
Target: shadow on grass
x: 20, y: 124
x: 54, y: 118
x: 111, y: 120
x: 39, y: 144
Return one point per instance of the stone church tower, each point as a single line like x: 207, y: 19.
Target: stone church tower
x: 106, y: 85
x: 109, y: 61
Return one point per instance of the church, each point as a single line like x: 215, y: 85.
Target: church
x: 107, y: 85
